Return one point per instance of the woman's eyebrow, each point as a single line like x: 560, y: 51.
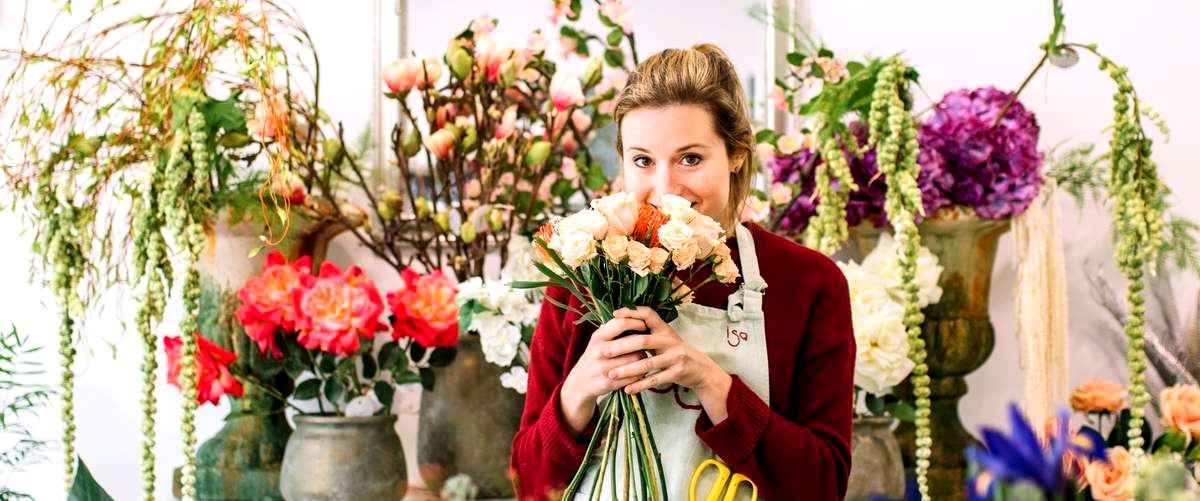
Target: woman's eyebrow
x: 693, y: 145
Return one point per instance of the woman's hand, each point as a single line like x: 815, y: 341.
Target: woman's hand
x: 675, y: 362
x: 589, y: 378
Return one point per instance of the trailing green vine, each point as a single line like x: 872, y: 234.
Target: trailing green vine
x: 1139, y: 205
x: 828, y: 229
x: 893, y: 134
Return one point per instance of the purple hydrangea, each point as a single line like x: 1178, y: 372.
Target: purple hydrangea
x: 994, y: 170
x: 865, y: 203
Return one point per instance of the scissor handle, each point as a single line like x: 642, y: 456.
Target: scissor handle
x: 736, y: 482
x: 714, y: 494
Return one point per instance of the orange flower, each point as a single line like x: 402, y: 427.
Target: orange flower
x: 268, y: 301
x: 425, y: 310
x: 649, y: 219
x: 544, y: 233
x: 1098, y: 396
x: 1112, y: 480
x: 1180, y: 406
x: 337, y: 309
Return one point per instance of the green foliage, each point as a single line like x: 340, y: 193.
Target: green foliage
x: 19, y: 399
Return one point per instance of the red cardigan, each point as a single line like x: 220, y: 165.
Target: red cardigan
x: 796, y: 448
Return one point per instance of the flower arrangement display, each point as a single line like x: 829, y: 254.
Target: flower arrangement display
x: 125, y: 156
x: 320, y: 330
x: 876, y: 304
x: 621, y: 254
x: 504, y: 318
x: 1092, y: 461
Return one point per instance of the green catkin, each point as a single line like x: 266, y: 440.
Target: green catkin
x: 893, y: 133
x: 827, y: 229
x: 1138, y: 213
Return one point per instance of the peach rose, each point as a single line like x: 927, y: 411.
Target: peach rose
x: 1112, y: 480
x: 685, y: 256
x: 1098, y: 396
x: 337, y: 309
x: 616, y: 247
x: 1180, y: 408
x: 658, y: 258
x: 639, y: 257
x: 425, y: 310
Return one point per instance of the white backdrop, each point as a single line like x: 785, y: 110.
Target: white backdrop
x: 953, y: 43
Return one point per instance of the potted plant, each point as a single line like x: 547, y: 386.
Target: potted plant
x: 136, y: 166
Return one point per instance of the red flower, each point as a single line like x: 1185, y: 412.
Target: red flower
x: 649, y: 219
x: 336, y: 309
x: 268, y: 300
x: 213, y: 378
x: 425, y: 310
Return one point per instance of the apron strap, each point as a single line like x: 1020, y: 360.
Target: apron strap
x: 747, y: 300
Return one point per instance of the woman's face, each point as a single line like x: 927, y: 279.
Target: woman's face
x: 676, y: 149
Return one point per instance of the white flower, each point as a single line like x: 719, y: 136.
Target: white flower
x: 459, y: 488
x: 781, y: 194
x: 789, y: 143
x: 621, y: 211
x: 516, y: 378
x: 675, y: 234
x: 516, y: 305
x: 677, y: 207
x: 574, y: 247
x: 500, y: 344
x: 470, y: 289
x: 487, y: 322
x: 519, y: 266
x: 755, y: 209
x: 588, y: 220
x: 882, y: 347
x: 883, y: 262
x: 882, y: 342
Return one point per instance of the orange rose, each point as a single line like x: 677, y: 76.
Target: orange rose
x: 337, y: 309
x: 1098, y: 396
x: 1180, y: 408
x: 425, y: 310
x: 268, y: 300
x: 1112, y: 480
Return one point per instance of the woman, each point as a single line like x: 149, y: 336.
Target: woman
x: 759, y: 374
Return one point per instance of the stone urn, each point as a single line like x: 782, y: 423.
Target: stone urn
x: 876, y: 465
x: 958, y: 334
x: 340, y: 458
x: 467, y: 424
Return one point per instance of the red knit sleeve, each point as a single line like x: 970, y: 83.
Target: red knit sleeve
x: 545, y: 454
x: 802, y: 452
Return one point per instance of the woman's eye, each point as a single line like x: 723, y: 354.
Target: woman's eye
x: 641, y: 161
x: 690, y: 160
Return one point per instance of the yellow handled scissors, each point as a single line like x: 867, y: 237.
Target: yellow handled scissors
x: 726, y: 483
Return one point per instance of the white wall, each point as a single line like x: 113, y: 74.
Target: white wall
x: 953, y: 43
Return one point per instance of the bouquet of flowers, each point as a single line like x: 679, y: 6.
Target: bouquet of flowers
x: 620, y: 254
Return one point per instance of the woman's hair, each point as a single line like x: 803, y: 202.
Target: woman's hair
x: 701, y: 75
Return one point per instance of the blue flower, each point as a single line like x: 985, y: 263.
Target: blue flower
x: 1021, y: 455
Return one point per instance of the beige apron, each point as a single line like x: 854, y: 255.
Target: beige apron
x: 735, y: 339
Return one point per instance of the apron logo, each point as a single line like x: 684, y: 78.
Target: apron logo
x: 735, y: 337
x: 675, y: 389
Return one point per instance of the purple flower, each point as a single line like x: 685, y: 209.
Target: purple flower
x: 994, y: 170
x: 865, y: 203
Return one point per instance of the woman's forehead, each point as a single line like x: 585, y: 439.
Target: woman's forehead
x: 668, y: 128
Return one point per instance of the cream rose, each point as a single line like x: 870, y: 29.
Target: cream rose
x: 677, y: 207
x: 675, y: 234
x: 615, y: 246
x: 574, y: 246
x: 658, y: 259
x: 1180, y: 408
x: 620, y: 209
x: 587, y: 220
x: 1112, y: 480
x: 707, y: 233
x: 639, y: 257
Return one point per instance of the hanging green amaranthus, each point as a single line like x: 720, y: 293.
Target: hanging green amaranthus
x: 828, y: 229
x: 893, y: 134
